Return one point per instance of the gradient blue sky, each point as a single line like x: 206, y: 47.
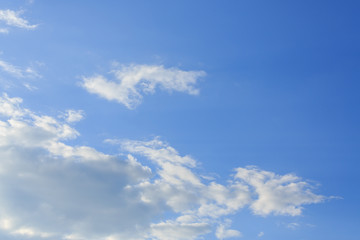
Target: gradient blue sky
x: 279, y: 90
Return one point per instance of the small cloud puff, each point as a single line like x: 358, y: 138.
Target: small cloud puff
x: 72, y: 116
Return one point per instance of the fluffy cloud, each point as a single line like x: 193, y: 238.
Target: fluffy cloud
x: 132, y: 81
x: 13, y: 19
x: 283, y: 195
x: 52, y: 190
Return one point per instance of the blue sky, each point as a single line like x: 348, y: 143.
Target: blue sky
x: 173, y: 120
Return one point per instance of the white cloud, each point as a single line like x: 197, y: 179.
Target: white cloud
x: 10, y: 107
x: 13, y: 19
x: 11, y: 69
x: 284, y: 195
x: 172, y: 230
x: 52, y: 190
x: 261, y: 234
x: 223, y: 232
x: 48, y: 187
x: 132, y: 81
x: 18, y: 72
x: 72, y: 116
x: 29, y: 232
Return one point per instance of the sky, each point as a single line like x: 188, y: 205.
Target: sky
x: 179, y: 120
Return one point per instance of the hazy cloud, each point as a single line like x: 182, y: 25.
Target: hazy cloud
x: 4, y: 30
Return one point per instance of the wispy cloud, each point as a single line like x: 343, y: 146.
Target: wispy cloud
x: 18, y: 72
x: 11, y: 69
x: 12, y: 18
x: 132, y: 81
x: 78, y: 192
x: 30, y: 87
x: 293, y: 225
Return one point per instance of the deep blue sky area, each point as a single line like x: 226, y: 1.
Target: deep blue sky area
x: 281, y: 90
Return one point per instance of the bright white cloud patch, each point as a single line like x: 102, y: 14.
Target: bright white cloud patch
x: 52, y: 190
x: 284, y: 195
x: 13, y: 19
x: 132, y: 81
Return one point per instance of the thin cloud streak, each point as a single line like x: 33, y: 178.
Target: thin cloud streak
x: 13, y: 19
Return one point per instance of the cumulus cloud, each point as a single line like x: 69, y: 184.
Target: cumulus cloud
x: 52, y: 190
x: 282, y: 195
x: 13, y: 19
x: 132, y: 81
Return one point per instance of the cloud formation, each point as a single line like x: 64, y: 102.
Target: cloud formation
x: 18, y: 72
x: 52, y: 190
x: 13, y: 19
x: 72, y: 115
x: 280, y: 195
x: 223, y: 232
x: 132, y: 81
